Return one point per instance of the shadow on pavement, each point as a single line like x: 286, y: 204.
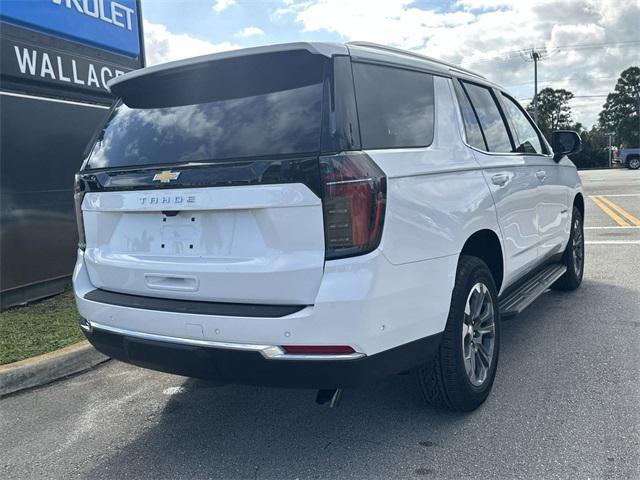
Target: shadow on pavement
x: 238, y: 432
x: 209, y: 431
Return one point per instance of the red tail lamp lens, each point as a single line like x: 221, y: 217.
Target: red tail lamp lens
x: 318, y: 349
x: 78, y: 196
x: 354, y: 204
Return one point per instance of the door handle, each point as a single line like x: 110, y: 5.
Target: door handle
x: 500, y: 179
x: 541, y: 174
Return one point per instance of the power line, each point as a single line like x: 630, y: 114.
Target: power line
x: 575, y: 96
x: 605, y: 95
x: 581, y: 46
x: 593, y: 77
x: 512, y: 54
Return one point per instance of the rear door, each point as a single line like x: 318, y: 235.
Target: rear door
x: 204, y: 183
x: 552, y: 208
x: 511, y: 181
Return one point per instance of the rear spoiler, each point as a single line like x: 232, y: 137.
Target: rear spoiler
x: 118, y: 85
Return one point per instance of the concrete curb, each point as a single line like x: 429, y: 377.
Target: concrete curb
x: 46, y: 368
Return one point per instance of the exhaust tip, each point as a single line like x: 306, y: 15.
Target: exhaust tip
x: 85, y: 325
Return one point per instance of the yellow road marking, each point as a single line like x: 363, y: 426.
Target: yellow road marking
x: 621, y: 211
x: 614, y: 216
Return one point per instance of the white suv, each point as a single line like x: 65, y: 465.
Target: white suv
x: 320, y: 215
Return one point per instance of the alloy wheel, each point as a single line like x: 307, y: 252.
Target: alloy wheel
x: 578, y: 246
x: 478, y: 334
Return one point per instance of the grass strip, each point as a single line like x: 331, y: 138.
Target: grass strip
x: 37, y: 328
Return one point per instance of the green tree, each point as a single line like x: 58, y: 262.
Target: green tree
x: 621, y: 112
x: 554, y: 111
x: 594, y: 153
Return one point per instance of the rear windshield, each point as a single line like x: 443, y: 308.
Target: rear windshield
x: 236, y: 108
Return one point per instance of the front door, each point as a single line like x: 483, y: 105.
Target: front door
x: 553, y: 214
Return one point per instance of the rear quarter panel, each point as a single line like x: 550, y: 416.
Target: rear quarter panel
x: 437, y: 196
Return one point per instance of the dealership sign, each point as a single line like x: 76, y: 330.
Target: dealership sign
x: 22, y: 60
x: 107, y: 24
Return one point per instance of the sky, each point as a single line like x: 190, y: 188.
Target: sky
x: 585, y: 44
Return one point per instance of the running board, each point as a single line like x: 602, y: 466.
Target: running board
x: 525, y: 294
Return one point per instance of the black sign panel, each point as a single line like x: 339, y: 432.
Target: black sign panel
x: 30, y: 65
x: 39, y: 64
x: 53, y: 97
x: 42, y: 145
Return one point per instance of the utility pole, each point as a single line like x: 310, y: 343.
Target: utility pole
x: 610, y: 136
x: 534, y: 56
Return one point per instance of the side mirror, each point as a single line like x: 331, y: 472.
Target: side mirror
x: 565, y: 142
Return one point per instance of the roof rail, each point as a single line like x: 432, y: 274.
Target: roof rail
x: 416, y: 55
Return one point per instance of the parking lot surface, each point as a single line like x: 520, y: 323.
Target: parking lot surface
x: 565, y: 404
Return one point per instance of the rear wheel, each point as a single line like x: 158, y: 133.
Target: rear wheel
x: 461, y: 376
x: 634, y: 163
x: 573, y: 257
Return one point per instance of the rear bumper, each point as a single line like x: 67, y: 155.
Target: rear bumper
x: 251, y: 367
x: 390, y: 315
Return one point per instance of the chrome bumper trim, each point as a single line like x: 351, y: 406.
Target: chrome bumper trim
x: 270, y: 352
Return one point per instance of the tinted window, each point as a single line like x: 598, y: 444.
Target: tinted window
x: 277, y: 123
x: 226, y: 110
x: 395, y: 106
x: 527, y: 139
x: 471, y: 125
x: 495, y: 131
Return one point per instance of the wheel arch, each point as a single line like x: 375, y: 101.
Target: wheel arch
x: 578, y: 201
x: 485, y: 244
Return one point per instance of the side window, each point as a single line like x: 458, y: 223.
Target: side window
x: 495, y: 131
x: 527, y: 139
x: 471, y: 125
x: 395, y: 106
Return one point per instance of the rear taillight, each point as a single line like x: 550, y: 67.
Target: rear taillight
x: 78, y: 195
x: 354, y: 191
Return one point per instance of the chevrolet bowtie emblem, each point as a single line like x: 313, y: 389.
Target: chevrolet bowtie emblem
x: 166, y: 176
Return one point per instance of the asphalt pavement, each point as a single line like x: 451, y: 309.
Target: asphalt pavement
x: 565, y: 404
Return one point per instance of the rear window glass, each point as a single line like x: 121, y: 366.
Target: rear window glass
x: 240, y: 113
x: 471, y: 125
x: 395, y: 106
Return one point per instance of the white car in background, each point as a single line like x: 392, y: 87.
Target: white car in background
x: 321, y: 215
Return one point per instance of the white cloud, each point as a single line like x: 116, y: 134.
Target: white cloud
x: 487, y: 36
x: 393, y: 22
x: 221, y: 5
x: 484, y: 4
x: 247, y: 32
x: 164, y: 46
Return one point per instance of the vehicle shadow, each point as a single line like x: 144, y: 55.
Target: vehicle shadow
x: 209, y: 431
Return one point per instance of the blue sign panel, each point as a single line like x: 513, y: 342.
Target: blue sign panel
x: 107, y: 24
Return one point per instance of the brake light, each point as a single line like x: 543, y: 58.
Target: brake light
x: 78, y: 196
x: 318, y: 349
x: 354, y: 200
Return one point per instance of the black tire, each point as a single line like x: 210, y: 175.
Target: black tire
x: 572, y: 278
x: 444, y: 381
x: 633, y: 163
